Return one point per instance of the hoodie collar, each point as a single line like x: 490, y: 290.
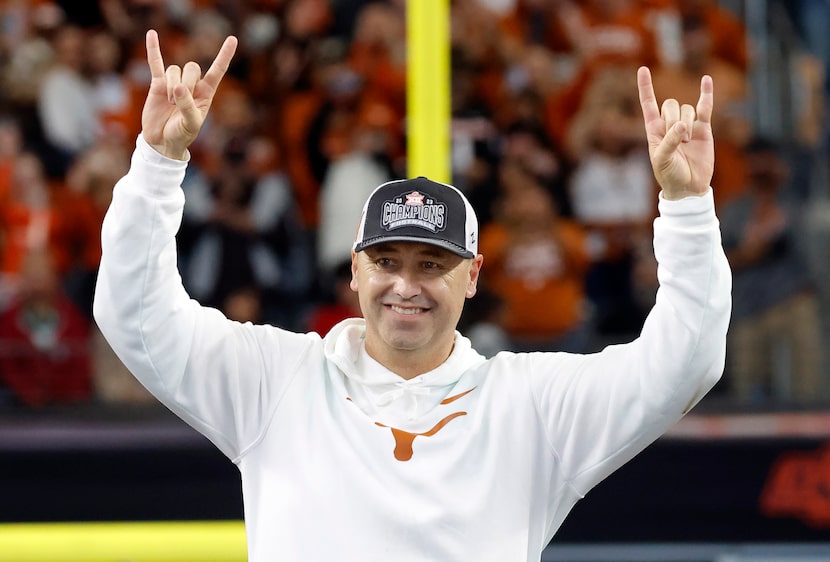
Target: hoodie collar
x: 345, y: 346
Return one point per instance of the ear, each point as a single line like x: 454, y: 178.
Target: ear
x: 353, y: 282
x: 475, y: 269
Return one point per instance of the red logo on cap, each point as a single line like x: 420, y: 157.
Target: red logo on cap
x: 414, y: 198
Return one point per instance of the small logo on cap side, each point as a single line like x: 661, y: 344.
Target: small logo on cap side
x: 414, y: 209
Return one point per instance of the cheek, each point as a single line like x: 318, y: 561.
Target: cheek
x: 457, y: 289
x: 461, y: 284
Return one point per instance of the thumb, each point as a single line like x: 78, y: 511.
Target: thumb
x: 191, y: 116
x: 670, y: 142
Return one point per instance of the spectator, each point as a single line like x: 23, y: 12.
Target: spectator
x: 728, y: 36
x: 11, y: 145
x: 613, y: 196
x: 378, y: 53
x: 481, y: 320
x: 79, y: 207
x: 27, y: 221
x: 340, y: 302
x: 478, y: 57
x: 536, y: 264
x: 536, y: 22
x: 128, y: 19
x: 44, y: 340
x: 333, y: 89
x: 244, y: 305
x: 66, y: 101
x: 592, y: 34
x: 527, y: 145
x: 348, y: 182
x: 303, y: 26
x: 116, y: 97
x: 813, y: 17
x: 538, y: 93
x: 245, y: 232
x: 614, y: 32
x: 27, y: 52
x: 474, y: 135
x: 301, y: 64
x: 776, y: 330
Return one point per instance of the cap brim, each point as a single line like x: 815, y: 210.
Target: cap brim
x: 454, y: 248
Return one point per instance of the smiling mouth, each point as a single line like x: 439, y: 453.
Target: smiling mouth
x: 407, y: 311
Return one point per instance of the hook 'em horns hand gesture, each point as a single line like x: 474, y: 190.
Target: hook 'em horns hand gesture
x: 680, y: 141
x: 179, y: 98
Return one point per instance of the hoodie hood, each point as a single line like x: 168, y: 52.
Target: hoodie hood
x: 376, y: 389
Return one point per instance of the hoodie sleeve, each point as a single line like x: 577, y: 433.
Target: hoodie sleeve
x: 221, y: 377
x: 600, y: 410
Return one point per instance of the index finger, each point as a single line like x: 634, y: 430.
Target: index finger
x: 221, y: 63
x: 154, y: 59
x: 648, y: 101
x: 706, y: 103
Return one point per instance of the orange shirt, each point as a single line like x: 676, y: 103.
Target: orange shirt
x: 622, y: 37
x: 22, y: 230
x: 75, y: 239
x: 729, y: 37
x: 297, y: 113
x: 540, y: 281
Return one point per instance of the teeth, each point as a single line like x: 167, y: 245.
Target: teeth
x: 401, y: 310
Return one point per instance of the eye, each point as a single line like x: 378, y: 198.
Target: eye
x: 384, y: 262
x: 431, y: 265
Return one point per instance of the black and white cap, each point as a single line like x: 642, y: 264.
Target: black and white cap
x: 419, y: 210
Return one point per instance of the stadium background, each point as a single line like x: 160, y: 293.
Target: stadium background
x: 118, y: 480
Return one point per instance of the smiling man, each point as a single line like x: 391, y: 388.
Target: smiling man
x: 412, y: 270
x: 391, y: 438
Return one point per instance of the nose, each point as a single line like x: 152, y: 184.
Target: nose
x: 407, y: 284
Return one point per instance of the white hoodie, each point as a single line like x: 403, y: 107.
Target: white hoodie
x: 341, y: 459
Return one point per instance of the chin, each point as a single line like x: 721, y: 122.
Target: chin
x: 407, y: 334
x: 406, y: 345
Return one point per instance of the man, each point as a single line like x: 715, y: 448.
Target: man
x: 391, y: 439
x: 775, y: 309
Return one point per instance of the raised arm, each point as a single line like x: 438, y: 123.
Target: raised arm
x: 210, y: 371
x: 179, y: 98
x: 602, y: 409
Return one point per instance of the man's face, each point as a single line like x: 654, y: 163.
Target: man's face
x: 411, y: 295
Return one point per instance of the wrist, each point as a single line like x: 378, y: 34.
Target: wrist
x: 173, y: 154
x: 153, y: 154
x: 677, y: 195
x: 168, y: 151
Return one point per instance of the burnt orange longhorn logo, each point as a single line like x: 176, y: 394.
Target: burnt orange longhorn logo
x: 405, y: 439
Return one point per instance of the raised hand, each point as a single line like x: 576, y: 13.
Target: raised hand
x: 179, y: 98
x: 680, y: 141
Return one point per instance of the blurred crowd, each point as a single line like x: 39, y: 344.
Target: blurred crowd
x: 547, y: 142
